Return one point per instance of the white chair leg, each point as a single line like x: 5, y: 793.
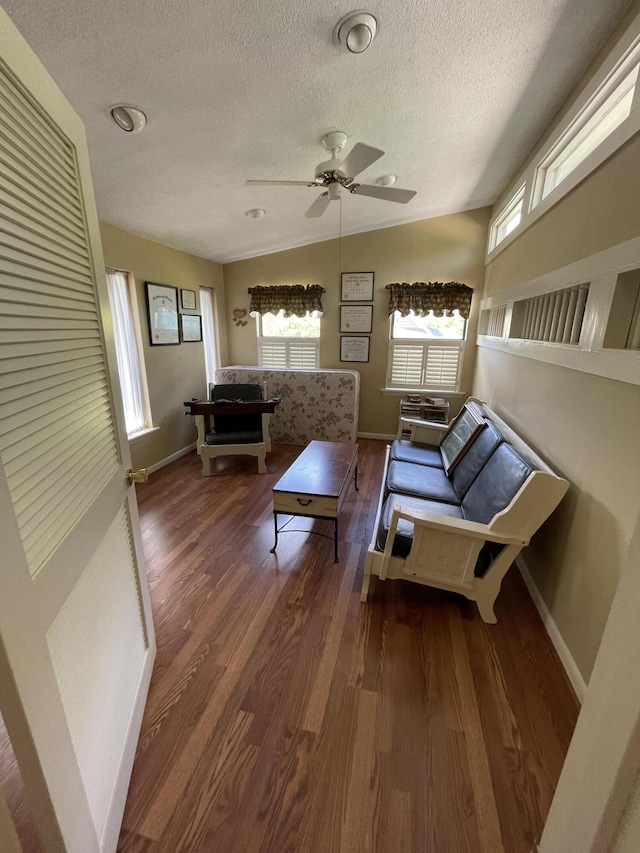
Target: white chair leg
x: 206, y: 464
x: 262, y: 465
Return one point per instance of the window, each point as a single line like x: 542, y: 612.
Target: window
x: 508, y: 219
x: 208, y: 334
x: 602, y: 118
x: 134, y: 396
x: 596, y: 122
x: 288, y: 341
x: 425, y: 352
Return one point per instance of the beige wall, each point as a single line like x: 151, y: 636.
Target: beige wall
x: 585, y: 425
x: 441, y: 249
x: 174, y: 373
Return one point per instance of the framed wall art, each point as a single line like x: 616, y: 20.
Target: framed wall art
x: 162, y: 313
x: 356, y: 287
x: 191, y: 328
x: 188, y: 299
x: 356, y: 318
x: 354, y: 349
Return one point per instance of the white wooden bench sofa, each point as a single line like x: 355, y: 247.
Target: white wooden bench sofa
x: 454, y: 514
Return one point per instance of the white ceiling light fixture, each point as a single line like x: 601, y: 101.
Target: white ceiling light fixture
x: 128, y: 118
x: 386, y: 180
x: 255, y: 213
x: 356, y: 31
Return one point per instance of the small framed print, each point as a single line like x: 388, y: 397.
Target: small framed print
x: 356, y: 318
x: 191, y: 328
x: 356, y: 287
x: 162, y: 313
x: 354, y: 349
x: 188, y: 299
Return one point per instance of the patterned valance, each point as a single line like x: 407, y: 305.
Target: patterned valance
x: 293, y: 298
x: 440, y: 297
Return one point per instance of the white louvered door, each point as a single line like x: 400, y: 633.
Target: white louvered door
x: 76, y: 637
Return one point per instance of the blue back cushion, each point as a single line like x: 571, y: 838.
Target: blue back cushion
x: 496, y: 485
x: 479, y: 451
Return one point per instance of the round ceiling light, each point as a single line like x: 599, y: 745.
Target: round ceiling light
x: 255, y: 213
x: 356, y: 31
x: 129, y: 119
x: 386, y: 180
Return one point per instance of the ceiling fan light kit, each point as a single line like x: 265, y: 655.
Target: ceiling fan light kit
x: 255, y: 213
x: 128, y: 118
x: 335, y: 175
x: 356, y: 31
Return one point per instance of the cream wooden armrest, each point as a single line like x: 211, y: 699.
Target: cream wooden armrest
x: 455, y: 525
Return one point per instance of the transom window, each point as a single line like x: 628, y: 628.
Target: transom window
x: 425, y: 352
x: 288, y: 341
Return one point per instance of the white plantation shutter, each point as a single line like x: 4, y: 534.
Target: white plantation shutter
x: 297, y: 353
x: 55, y: 416
x: 442, y: 367
x: 419, y: 364
x: 407, y: 365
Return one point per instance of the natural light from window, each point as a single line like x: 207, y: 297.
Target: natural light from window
x: 127, y: 355
x: 290, y: 342
x: 425, y: 353
x: 611, y: 113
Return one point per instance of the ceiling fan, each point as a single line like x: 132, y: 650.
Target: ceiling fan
x: 335, y: 174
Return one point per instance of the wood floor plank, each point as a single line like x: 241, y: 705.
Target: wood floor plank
x: 284, y: 715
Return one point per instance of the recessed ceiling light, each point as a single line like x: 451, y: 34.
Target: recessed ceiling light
x: 386, y: 180
x: 356, y: 31
x: 255, y: 213
x: 130, y: 119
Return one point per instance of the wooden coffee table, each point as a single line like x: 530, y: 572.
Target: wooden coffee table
x: 315, y: 485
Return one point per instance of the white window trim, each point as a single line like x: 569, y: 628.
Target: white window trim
x: 311, y: 342
x: 589, y: 355
x: 615, y: 67
x: 458, y: 343
x: 515, y: 203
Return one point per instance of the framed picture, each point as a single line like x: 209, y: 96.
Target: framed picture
x: 356, y: 318
x: 188, y: 299
x: 191, y: 327
x: 162, y: 312
x: 459, y: 437
x: 356, y: 287
x: 354, y: 349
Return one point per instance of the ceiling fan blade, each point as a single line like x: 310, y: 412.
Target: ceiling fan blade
x: 358, y: 159
x: 319, y: 206
x: 386, y: 193
x: 286, y: 183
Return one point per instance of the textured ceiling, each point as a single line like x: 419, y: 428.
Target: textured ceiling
x: 454, y: 92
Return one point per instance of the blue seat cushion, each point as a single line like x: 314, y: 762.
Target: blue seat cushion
x: 247, y: 436
x: 404, y: 532
x: 420, y: 454
x: 421, y: 481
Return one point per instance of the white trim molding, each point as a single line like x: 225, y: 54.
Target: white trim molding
x: 566, y: 658
x: 169, y: 459
x: 601, y: 272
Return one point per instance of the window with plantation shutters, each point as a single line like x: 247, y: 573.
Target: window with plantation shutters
x: 425, y: 352
x: 290, y: 342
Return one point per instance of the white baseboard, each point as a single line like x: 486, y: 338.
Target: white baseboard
x: 161, y: 464
x: 382, y: 436
x: 566, y: 658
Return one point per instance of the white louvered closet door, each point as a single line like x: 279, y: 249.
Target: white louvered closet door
x: 76, y: 637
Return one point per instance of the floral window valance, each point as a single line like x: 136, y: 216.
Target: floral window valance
x: 292, y: 298
x: 421, y: 297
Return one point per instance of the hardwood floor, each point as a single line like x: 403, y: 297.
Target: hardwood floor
x: 284, y: 715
